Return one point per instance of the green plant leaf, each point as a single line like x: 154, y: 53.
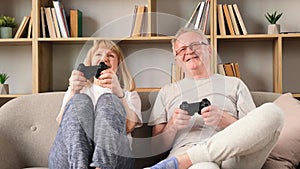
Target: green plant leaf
x: 7, y: 21
x: 273, y: 18
x: 3, y: 77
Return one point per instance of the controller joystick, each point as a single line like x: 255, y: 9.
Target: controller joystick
x: 193, y: 108
x: 90, y: 71
x: 102, y: 66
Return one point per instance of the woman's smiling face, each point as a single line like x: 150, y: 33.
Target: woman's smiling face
x: 107, y: 56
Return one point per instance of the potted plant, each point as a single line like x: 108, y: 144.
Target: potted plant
x: 7, y: 23
x: 4, y: 89
x: 273, y: 28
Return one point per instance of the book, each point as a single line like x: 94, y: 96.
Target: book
x: 55, y: 23
x: 240, y: 19
x: 146, y: 27
x: 203, y: 24
x: 221, y: 70
x: 22, y: 28
x: 133, y: 19
x: 139, y: 17
x: 228, y: 19
x: 176, y: 73
x: 233, y: 19
x: 229, y: 71
x: 61, y: 18
x: 50, y: 23
x: 29, y: 32
x: 221, y: 21
x: 190, y: 21
x: 65, y: 20
x: 289, y: 32
x: 75, y: 23
x: 237, y: 70
x: 199, y: 16
x: 43, y: 23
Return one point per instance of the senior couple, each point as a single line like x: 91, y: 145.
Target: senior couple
x: 98, y: 115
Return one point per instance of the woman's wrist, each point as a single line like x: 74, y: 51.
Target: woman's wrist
x: 122, y: 95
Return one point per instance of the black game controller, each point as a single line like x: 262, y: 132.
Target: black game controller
x: 90, y: 71
x: 191, y: 108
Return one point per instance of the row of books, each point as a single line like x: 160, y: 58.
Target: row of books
x: 199, y: 17
x: 25, y: 28
x: 230, y: 20
x: 54, y: 21
x: 229, y: 69
x: 140, y: 21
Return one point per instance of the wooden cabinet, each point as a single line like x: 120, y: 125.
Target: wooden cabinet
x: 44, y: 64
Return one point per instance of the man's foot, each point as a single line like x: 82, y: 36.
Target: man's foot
x: 169, y: 163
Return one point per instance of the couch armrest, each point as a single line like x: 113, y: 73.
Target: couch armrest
x: 8, y: 154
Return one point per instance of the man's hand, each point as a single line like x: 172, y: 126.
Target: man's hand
x: 179, y: 120
x: 213, y: 116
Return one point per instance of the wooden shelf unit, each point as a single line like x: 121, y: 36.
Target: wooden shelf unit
x: 47, y: 55
x: 275, y: 46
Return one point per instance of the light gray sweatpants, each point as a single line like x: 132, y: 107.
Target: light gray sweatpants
x: 244, y: 144
x: 89, y: 137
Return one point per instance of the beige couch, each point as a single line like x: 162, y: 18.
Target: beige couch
x: 28, y: 127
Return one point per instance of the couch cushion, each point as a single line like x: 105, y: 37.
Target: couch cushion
x: 28, y: 122
x: 260, y: 97
x: 286, y: 153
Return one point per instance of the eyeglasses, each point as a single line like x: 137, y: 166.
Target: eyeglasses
x: 193, y: 46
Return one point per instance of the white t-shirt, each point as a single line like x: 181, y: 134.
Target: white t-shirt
x: 228, y: 93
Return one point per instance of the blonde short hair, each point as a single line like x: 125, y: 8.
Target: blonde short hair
x: 125, y: 78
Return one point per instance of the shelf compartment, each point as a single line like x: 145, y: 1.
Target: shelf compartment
x: 290, y: 64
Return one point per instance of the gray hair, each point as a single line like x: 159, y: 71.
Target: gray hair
x: 184, y: 30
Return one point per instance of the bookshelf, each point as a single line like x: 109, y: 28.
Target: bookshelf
x: 46, y: 63
x: 267, y: 62
x: 40, y: 64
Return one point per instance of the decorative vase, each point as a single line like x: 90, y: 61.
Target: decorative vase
x: 273, y: 29
x: 6, y: 32
x: 4, y: 89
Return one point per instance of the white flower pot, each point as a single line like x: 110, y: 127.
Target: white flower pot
x: 273, y: 29
x: 5, y: 32
x: 4, y: 89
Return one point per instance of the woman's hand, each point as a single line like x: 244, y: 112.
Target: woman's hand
x: 77, y: 81
x: 109, y: 79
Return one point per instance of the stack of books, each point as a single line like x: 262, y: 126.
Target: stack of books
x: 140, y: 24
x: 25, y: 28
x: 199, y: 17
x: 230, y: 21
x: 54, y: 21
x: 229, y: 69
